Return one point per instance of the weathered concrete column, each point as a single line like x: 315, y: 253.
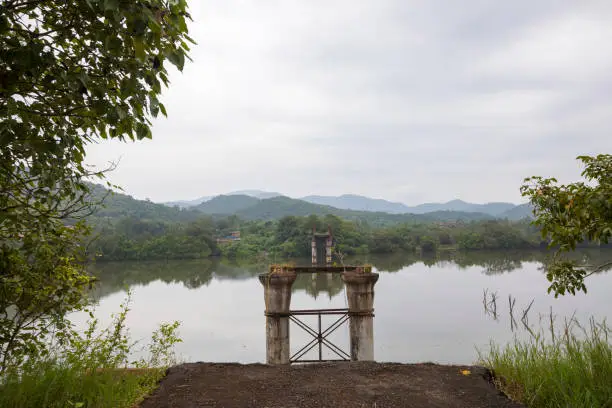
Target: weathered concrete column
x: 277, y: 296
x: 360, y: 294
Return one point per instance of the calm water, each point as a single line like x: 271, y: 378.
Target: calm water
x: 426, y: 310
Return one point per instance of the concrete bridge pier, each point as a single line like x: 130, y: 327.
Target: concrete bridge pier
x: 360, y: 294
x: 277, y: 295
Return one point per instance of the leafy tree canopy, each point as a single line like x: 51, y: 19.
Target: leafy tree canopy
x: 71, y: 73
x: 569, y: 214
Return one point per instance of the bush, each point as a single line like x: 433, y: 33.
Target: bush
x: 428, y: 244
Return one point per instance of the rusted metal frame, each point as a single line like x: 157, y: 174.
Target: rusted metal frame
x: 309, y: 346
x: 339, y: 322
x: 327, y: 360
x: 339, y: 352
x: 304, y: 326
x: 318, y: 311
x: 320, y: 336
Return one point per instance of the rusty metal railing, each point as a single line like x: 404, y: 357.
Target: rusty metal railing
x: 319, y: 335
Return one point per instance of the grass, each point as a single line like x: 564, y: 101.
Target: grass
x: 89, y: 370
x: 52, y: 384
x: 567, y: 368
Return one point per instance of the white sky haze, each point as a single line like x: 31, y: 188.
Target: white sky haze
x: 411, y: 101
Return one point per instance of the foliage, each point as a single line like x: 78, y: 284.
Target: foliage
x: 569, y: 214
x: 290, y: 237
x: 571, y: 369
x: 71, y: 73
x: 428, y: 244
x: 90, y: 369
x: 36, y: 292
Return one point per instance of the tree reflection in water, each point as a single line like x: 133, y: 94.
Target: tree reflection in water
x: 117, y: 276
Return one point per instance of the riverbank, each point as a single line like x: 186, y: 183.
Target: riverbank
x: 338, y: 385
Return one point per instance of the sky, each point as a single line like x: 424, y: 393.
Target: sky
x: 411, y: 101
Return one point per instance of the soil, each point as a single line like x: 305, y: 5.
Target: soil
x: 337, y: 385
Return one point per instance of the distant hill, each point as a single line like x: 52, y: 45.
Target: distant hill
x: 518, y: 213
x: 188, y: 203
x: 198, y: 201
x: 247, y: 206
x: 255, y: 193
x: 358, y: 203
x: 493, y: 209
x: 117, y: 205
x: 278, y: 207
x: 227, y: 204
x: 361, y: 203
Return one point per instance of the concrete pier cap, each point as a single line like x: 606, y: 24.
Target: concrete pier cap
x: 277, y: 296
x: 360, y: 295
x: 277, y: 290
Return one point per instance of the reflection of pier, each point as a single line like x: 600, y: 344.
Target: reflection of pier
x: 359, y: 282
x: 319, y: 284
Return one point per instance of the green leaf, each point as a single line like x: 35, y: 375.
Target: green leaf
x: 162, y: 108
x: 111, y: 5
x: 153, y: 106
x: 177, y: 58
x: 139, y: 48
x: 142, y: 132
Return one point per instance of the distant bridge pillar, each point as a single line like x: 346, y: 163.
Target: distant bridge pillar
x: 360, y: 294
x: 277, y: 295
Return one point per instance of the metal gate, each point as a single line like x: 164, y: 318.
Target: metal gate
x: 319, y: 335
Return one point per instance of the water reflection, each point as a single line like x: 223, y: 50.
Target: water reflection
x: 427, y: 309
x: 328, y: 284
x: 193, y: 274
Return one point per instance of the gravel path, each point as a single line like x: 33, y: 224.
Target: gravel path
x: 337, y: 385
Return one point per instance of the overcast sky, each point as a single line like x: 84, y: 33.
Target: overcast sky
x: 411, y: 101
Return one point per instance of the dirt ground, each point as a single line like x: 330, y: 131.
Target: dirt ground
x: 337, y: 385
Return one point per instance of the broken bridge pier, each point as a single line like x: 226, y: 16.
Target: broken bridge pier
x: 277, y: 292
x: 359, y: 284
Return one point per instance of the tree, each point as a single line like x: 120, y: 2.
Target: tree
x: 71, y: 73
x: 570, y: 214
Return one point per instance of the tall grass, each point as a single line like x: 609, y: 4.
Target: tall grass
x: 571, y: 367
x: 92, y: 369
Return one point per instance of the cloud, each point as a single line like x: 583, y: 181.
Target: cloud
x: 406, y: 100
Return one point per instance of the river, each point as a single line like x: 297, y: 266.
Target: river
x: 426, y: 310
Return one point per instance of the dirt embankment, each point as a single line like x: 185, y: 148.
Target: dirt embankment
x: 334, y: 385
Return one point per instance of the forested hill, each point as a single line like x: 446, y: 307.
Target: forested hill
x: 117, y: 205
x: 277, y: 207
x: 126, y: 228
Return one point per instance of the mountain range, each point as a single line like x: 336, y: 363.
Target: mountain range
x: 240, y: 201
x: 118, y: 205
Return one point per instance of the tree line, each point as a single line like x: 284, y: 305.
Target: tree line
x: 132, y: 238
